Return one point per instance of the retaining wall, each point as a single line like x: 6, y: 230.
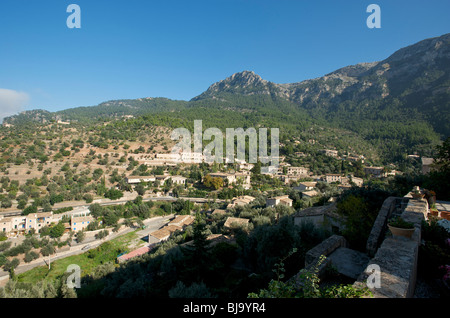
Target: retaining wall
x: 397, y: 258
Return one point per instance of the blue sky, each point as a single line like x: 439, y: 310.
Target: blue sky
x: 177, y: 48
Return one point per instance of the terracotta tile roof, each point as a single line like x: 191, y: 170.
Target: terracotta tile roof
x: 140, y: 251
x: 181, y: 220
x: 232, y: 220
x: 219, y: 211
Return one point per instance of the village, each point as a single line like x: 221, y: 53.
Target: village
x: 78, y: 217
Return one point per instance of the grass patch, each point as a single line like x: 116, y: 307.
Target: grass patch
x: 106, y: 252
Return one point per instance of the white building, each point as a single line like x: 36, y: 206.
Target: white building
x: 306, y: 186
x: 283, y: 200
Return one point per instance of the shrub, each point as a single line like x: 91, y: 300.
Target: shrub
x: 30, y: 256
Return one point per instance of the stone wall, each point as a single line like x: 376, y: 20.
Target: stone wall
x: 325, y: 248
x: 397, y: 258
x: 390, y: 206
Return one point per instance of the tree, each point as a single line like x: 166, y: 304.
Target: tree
x: 6, y: 203
x: 88, y: 198
x: 80, y: 236
x: 306, y: 285
x: 57, y: 230
x: 196, y: 290
x: 30, y: 256
x: 197, y: 255
x: 113, y: 194
x: 359, y: 208
x: 102, y: 234
x: 213, y: 182
x: 10, y: 266
x: 30, y: 209
x: 140, y: 189
x: 443, y: 155
x: 97, y: 174
x: 47, y: 250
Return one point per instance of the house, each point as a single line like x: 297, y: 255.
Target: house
x: 245, y: 166
x: 178, y: 180
x: 332, y: 177
x: 233, y: 222
x: 299, y: 154
x: 38, y: 220
x: 244, y: 179
x: 182, y: 157
x: 162, y: 234
x: 324, y: 217
x: 177, y: 224
x: 283, y: 200
x: 218, y: 212
x: 162, y: 179
x: 6, y: 224
x: 214, y: 239
x: 330, y: 153
x: 191, y: 157
x: 310, y: 194
x: 236, y: 178
x: 230, y: 178
x: 352, y: 159
x: 79, y: 223
x: 375, y: 171
x: 23, y: 223
x: 344, y: 186
x: 427, y: 165
x: 241, y: 200
x: 306, y: 186
x: 139, y: 179
x: 182, y: 220
x: 297, y: 171
x: 287, y: 179
x: 358, y: 181
x: 137, y: 252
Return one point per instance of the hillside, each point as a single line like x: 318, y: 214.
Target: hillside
x: 400, y: 105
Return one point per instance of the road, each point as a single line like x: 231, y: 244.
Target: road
x: 151, y: 224
x: 106, y: 202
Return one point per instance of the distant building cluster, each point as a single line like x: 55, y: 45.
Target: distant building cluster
x: 177, y: 224
x: 22, y: 224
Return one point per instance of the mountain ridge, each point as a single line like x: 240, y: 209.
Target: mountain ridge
x: 400, y: 104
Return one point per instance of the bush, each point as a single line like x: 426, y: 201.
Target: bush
x: 113, y: 194
x: 57, y: 230
x: 47, y: 250
x: 30, y: 256
x: 196, y: 290
x: 29, y: 210
x: 102, y: 234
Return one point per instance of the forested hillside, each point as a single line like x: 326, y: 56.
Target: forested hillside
x: 399, y: 106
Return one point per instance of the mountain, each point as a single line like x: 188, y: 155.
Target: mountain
x: 123, y: 107
x: 399, y: 105
x: 413, y: 82
x: 36, y: 116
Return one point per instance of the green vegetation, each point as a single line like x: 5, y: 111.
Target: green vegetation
x: 367, y: 117
x: 400, y: 223
x: 359, y: 207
